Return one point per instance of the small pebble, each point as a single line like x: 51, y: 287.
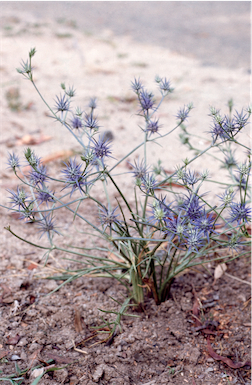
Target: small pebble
x: 14, y: 357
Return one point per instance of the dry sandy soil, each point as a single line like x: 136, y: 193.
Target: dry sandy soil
x: 161, y: 346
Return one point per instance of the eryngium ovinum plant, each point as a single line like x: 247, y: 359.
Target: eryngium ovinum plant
x: 165, y: 232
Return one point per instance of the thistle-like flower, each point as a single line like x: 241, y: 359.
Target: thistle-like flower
x: 183, y: 113
x: 19, y: 199
x: 91, y: 122
x: 206, y: 224
x: 101, y: 148
x: 190, y: 178
x: 241, y: 120
x: 239, y: 212
x: 153, y: 127
x: 136, y: 85
x: 13, y: 161
x: 108, y: 217
x: 47, y: 225
x: 194, y: 239
x: 146, y: 100
x: 38, y: 176
x: 45, y: 196
x: 139, y: 169
x: 62, y: 103
x: 160, y: 211
x: 227, y: 197
x: 76, y: 123
x: 92, y: 103
x: 149, y: 183
x: 175, y: 226
x: 165, y: 86
x: 74, y: 177
x: 192, y: 207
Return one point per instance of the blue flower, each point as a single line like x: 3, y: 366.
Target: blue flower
x: 101, y: 148
x: 139, y: 169
x: 153, y: 126
x: 206, y: 223
x: 160, y: 211
x: 108, y: 217
x: 190, y: 178
x: 165, y: 86
x: 92, y: 103
x: 194, y: 239
x: 76, y: 123
x: 136, y: 85
x: 217, y: 131
x: 241, y: 120
x: 183, y: 113
x: 146, y: 100
x: 74, y: 177
x: 13, y: 161
x: 19, y: 199
x: 149, y: 183
x: 91, y: 122
x: 44, y: 197
x: 192, y: 207
x: 239, y: 212
x: 38, y: 176
x: 62, y: 103
x: 175, y: 226
x: 47, y: 225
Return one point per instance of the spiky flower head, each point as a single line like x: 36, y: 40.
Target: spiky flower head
x: 136, y: 85
x: 76, y: 123
x: 108, y: 217
x: 91, y: 122
x: 241, y: 120
x: 62, y: 103
x: 160, y: 210
x: 190, y: 178
x: 88, y: 156
x: 230, y: 160
x: 192, y: 207
x: 240, y: 212
x: 165, y: 86
x: 92, y: 103
x: 74, y: 177
x: 139, y: 169
x: 217, y: 130
x: 183, y: 113
x: 149, y: 183
x: 47, y: 225
x: 244, y: 168
x: 206, y: 223
x: 71, y: 92
x: 227, y: 197
x: 194, y: 239
x: 31, y: 158
x: 153, y: 127
x: 205, y: 174
x: 45, y: 196
x: 101, y: 148
x: 175, y: 226
x: 146, y: 100
x: 13, y: 161
x: 19, y: 198
x: 38, y: 176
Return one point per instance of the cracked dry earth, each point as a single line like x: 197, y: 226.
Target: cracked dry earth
x: 173, y: 343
